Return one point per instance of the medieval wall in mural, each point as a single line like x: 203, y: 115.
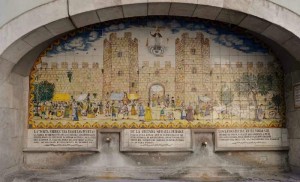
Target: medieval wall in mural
x: 150, y: 73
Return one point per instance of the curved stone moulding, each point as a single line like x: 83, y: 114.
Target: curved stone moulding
x: 18, y: 36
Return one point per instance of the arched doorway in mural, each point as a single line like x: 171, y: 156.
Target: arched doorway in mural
x: 157, y: 94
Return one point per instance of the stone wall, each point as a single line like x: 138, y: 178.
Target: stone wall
x: 14, y: 91
x: 12, y: 36
x: 75, y: 85
x: 202, y: 163
x: 120, y: 64
x: 192, y: 65
x: 293, y: 122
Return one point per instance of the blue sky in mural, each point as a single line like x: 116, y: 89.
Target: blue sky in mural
x: 223, y: 34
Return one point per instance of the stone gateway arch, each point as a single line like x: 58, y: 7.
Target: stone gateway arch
x: 121, y: 84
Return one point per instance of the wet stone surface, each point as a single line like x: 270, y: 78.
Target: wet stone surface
x: 58, y: 176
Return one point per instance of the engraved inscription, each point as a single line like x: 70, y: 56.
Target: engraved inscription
x: 156, y: 139
x: 62, y: 138
x: 253, y: 138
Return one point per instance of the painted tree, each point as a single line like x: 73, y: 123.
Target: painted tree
x: 70, y: 75
x: 226, y: 96
x: 43, y: 91
x: 277, y: 100
x: 251, y: 85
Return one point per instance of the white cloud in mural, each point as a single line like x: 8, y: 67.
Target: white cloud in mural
x: 190, y: 26
x: 245, y: 48
x: 229, y: 44
x: 59, y: 48
x: 112, y: 28
x: 200, y: 27
x: 121, y: 26
x: 174, y: 24
x: 234, y: 39
x: 93, y: 36
x: 230, y: 40
x: 222, y: 39
x: 67, y: 47
x: 155, y: 24
x: 77, y: 43
x: 212, y: 31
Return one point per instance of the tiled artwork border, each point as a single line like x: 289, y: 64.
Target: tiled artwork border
x: 219, y: 29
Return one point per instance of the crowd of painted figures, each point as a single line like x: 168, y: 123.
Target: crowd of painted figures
x: 158, y: 108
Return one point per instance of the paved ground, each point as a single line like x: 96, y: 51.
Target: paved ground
x: 31, y: 176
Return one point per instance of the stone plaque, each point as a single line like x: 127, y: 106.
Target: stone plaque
x: 156, y: 140
x: 297, y: 96
x: 62, y: 140
x: 251, y: 139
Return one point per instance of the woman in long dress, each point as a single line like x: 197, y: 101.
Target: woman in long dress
x: 75, y: 111
x: 141, y: 112
x: 148, y: 114
x: 162, y: 114
x: 183, y: 114
x: 67, y: 110
x: 133, y: 110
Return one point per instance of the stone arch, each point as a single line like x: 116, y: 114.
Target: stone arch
x: 263, y: 17
x: 27, y: 34
x: 154, y: 84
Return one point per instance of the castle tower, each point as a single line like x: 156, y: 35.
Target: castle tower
x: 120, y: 65
x: 192, y: 68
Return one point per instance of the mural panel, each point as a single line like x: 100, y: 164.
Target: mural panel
x: 156, y: 73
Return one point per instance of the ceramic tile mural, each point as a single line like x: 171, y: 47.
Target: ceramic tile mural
x: 156, y: 73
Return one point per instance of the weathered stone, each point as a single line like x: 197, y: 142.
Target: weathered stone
x: 5, y: 68
x: 13, y: 142
x: 206, y: 12
x: 216, y: 3
x: 277, y: 34
x: 23, y: 67
x: 78, y: 6
x: 132, y: 2
x: 6, y: 96
x: 107, y: 14
x: 158, y: 8
x: 87, y: 18
x: 229, y: 16
x: 289, y: 101
x: 238, y: 5
x: 16, y: 51
x: 31, y: 20
x: 37, y: 36
x: 181, y: 9
x: 255, y: 24
x: 294, y: 157
x: 295, y: 77
x: 60, y: 26
x: 135, y: 10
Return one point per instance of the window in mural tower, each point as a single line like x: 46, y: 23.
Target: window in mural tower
x: 156, y: 73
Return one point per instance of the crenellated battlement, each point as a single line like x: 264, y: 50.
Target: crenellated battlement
x: 114, y: 37
x: 192, y: 62
x: 120, y: 64
x: 146, y: 65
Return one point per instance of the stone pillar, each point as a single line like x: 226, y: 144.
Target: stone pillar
x: 293, y: 120
x: 12, y: 118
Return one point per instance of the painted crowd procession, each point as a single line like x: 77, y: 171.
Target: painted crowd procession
x: 150, y: 73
